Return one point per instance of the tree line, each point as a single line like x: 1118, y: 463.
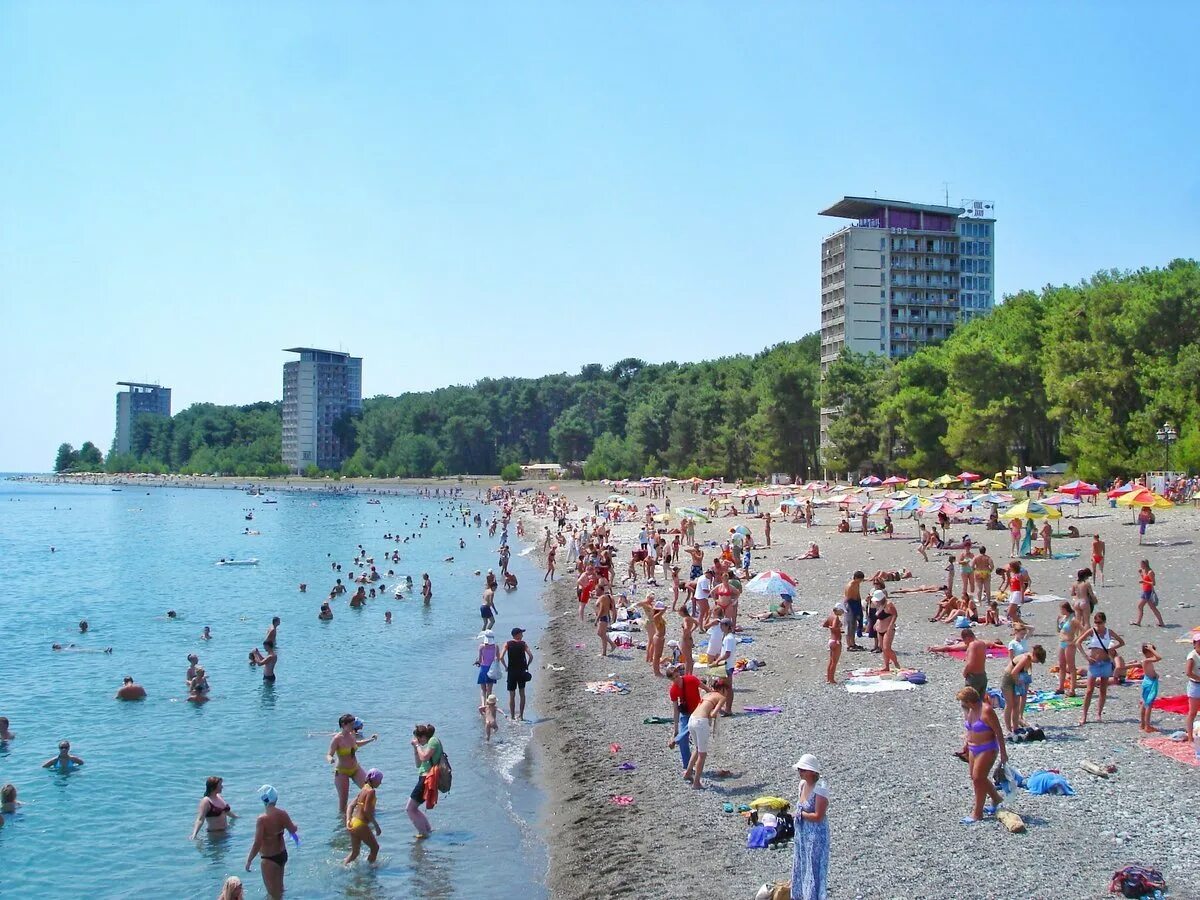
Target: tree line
x: 1084, y: 374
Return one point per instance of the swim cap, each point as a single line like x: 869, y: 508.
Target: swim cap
x: 374, y: 776
x: 358, y: 724
x: 268, y: 794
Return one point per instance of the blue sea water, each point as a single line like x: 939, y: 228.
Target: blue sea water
x: 119, y: 825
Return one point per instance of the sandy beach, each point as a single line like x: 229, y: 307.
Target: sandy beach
x: 897, y: 793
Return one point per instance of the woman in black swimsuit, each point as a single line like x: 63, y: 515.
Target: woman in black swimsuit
x: 268, y: 840
x: 213, y: 809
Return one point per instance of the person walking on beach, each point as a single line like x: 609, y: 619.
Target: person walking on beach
x: 487, y: 607
x: 1101, y: 644
x: 484, y: 659
x: 427, y: 753
x: 268, y: 841
x: 975, y: 665
x: 810, y: 860
x: 854, y: 610
x: 702, y: 729
x: 1098, y: 558
x: 684, y: 694
x: 360, y: 819
x: 1149, y: 595
x: 604, y: 616
x: 516, y: 657
x: 1192, y: 670
x: 550, y: 554
x: 984, y: 739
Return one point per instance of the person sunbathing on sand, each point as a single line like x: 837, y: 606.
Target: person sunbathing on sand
x: 780, y: 610
x: 892, y: 574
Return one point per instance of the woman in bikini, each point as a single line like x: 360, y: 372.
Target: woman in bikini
x: 966, y: 571
x: 686, y: 640
x: 984, y: 739
x: 1066, y: 649
x: 885, y: 627
x: 360, y: 819
x: 605, y: 613
x: 1149, y: 595
x: 213, y: 809
x: 834, y: 624
x: 268, y: 841
x: 1100, y: 643
x: 342, y: 754
x: 659, y: 617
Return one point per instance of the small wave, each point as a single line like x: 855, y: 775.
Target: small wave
x: 512, y: 752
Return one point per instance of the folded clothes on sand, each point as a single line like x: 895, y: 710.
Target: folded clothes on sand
x: 1175, y: 704
x: 1183, y: 752
x: 606, y: 687
x: 1044, y: 782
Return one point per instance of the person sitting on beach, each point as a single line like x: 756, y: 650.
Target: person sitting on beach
x: 780, y: 610
x: 129, y: 690
x: 992, y: 617
x: 65, y: 761
x: 844, y: 526
x: 892, y: 574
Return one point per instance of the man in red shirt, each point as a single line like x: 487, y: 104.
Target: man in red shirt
x: 685, y: 697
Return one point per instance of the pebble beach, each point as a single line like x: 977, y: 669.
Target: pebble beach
x: 897, y: 792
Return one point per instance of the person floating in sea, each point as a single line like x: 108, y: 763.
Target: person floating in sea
x: 130, y: 690
x: 65, y: 761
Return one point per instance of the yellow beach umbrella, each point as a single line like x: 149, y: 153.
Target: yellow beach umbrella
x: 945, y: 481
x: 919, y: 483
x: 663, y: 517
x: 1144, y: 497
x: 1031, y: 509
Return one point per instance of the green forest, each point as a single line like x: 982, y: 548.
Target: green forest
x: 1084, y: 374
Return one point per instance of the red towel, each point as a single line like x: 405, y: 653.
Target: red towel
x: 1177, y: 704
x: 1183, y: 751
x: 431, y: 788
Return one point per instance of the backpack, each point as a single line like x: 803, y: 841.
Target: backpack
x: 445, y: 774
x: 1136, y: 881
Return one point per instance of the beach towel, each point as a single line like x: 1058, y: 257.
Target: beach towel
x: 1176, y: 704
x: 1044, y: 701
x: 606, y: 687
x: 1183, y: 752
x: 1045, y: 598
x: 873, y: 684
x: 1043, y: 782
x: 761, y: 710
x: 1189, y: 637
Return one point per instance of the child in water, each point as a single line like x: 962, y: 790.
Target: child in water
x: 488, y: 711
x: 1150, y: 656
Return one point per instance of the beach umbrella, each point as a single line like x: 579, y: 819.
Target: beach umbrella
x: 814, y: 486
x: 616, y: 498
x: 1031, y: 509
x: 919, y: 483
x: 790, y: 501
x: 871, y: 481
x: 1079, y: 489
x: 968, y: 476
x: 690, y: 513
x: 894, y: 479
x: 663, y: 517
x: 1061, y: 500
x: 771, y: 582
x: 910, y: 505
x: 1127, y: 488
x: 945, y: 481
x: 1144, y: 497
x: 934, y: 509
x: 1028, y: 483
x: 740, y: 529
x: 899, y: 495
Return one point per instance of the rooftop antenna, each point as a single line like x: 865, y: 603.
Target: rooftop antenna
x: 946, y: 188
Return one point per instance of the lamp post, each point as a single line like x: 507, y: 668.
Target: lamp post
x: 1167, y: 435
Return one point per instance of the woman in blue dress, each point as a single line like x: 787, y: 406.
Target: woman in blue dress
x: 1027, y: 540
x: 810, y: 865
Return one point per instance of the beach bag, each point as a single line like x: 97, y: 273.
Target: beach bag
x: 494, y: 671
x: 445, y: 774
x: 1136, y: 881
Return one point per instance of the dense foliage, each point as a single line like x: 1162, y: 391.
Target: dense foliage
x: 1082, y: 373
x: 206, y: 439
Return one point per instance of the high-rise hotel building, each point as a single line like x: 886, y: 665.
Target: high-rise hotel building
x: 902, y: 275
x: 138, y: 400
x: 318, y: 389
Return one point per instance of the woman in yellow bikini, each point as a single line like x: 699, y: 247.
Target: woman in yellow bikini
x: 342, y: 753
x: 360, y: 819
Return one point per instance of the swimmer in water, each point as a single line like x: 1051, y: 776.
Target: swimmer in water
x: 198, y: 687
x: 5, y: 734
x: 130, y: 690
x: 343, y: 750
x: 8, y: 799
x: 65, y: 761
x: 171, y: 614
x: 326, y: 614
x: 268, y: 840
x: 360, y: 819
x: 71, y: 648
x: 387, y: 617
x: 213, y: 810
x: 206, y: 634
x: 83, y: 626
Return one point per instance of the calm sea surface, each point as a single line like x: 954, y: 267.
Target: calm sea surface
x: 119, y: 826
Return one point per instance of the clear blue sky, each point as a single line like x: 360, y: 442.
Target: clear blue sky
x: 454, y: 191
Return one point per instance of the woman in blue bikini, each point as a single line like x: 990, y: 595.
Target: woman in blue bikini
x: 1101, y: 644
x: 985, y: 738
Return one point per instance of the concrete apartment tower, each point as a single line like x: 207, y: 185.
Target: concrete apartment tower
x: 902, y: 275
x: 318, y: 389
x: 139, y: 399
